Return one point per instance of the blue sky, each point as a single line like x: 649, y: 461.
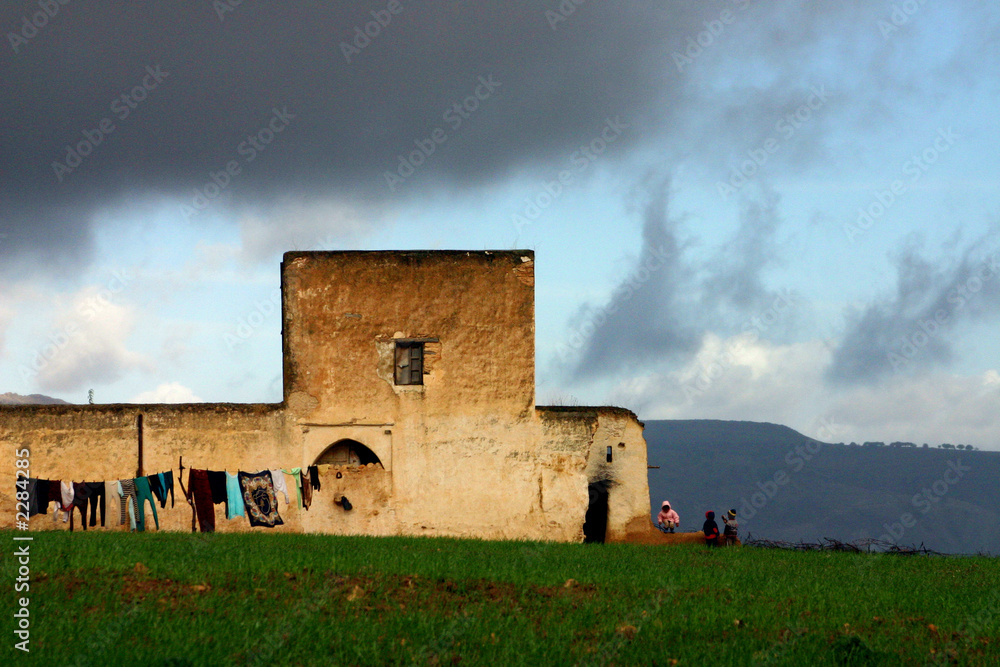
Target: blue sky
x: 705, y: 256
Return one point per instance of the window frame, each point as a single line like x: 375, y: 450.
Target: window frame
x: 408, y: 376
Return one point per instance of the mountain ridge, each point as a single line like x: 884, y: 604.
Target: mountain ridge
x: 10, y: 398
x: 787, y: 486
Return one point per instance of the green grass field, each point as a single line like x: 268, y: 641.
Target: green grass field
x: 267, y: 599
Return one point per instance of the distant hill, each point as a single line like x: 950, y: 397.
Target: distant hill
x: 31, y: 399
x: 786, y: 486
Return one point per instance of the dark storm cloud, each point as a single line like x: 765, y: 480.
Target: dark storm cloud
x: 735, y: 280
x: 913, y: 329
x: 343, y: 109
x: 669, y: 300
x: 644, y: 316
x: 348, y: 105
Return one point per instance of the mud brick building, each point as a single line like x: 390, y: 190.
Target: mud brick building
x: 414, y: 372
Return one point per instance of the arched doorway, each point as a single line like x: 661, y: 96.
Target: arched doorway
x: 347, y: 453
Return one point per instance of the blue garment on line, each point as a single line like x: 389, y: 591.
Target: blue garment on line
x: 235, y: 497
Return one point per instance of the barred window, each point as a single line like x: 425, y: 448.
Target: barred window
x: 409, y: 362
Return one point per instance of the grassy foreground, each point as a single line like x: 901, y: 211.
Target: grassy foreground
x: 277, y: 599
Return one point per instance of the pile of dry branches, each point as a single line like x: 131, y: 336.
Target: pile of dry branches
x: 827, y: 544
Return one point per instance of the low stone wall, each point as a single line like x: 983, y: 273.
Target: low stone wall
x: 465, y: 477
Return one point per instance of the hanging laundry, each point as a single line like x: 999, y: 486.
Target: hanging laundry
x: 278, y: 478
x: 164, y: 484
x: 217, y: 482
x: 81, y: 496
x: 307, y: 490
x: 260, y: 499
x: 55, y: 495
x: 314, y: 477
x: 296, y: 474
x: 42, y: 496
x: 32, y: 494
x: 129, y: 504
x: 96, y: 497
x: 142, y: 494
x: 65, y: 502
x: 201, y: 494
x: 235, y: 507
x: 157, y: 488
x: 114, y: 501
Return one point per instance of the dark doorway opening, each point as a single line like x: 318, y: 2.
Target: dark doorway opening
x: 347, y: 453
x: 595, y: 525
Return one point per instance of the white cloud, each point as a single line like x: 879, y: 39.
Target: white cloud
x: 87, y: 344
x: 170, y: 392
x: 297, y: 225
x: 763, y: 382
x: 934, y: 408
x: 731, y: 379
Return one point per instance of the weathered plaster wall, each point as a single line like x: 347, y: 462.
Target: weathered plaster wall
x: 100, y: 442
x: 464, y: 454
x: 342, y: 311
x: 575, y: 442
x: 461, y: 476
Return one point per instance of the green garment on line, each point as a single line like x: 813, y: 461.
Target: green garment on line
x: 142, y: 494
x: 297, y: 474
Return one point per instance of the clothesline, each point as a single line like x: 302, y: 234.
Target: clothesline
x: 251, y: 494
x: 131, y: 494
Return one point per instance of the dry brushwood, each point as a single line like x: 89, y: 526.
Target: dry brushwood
x: 828, y: 544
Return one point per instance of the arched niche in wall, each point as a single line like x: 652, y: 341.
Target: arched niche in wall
x: 347, y: 453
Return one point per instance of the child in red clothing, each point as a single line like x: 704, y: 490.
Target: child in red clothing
x: 711, y: 529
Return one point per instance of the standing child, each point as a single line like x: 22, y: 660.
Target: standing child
x: 729, y: 532
x: 667, y: 519
x: 711, y: 529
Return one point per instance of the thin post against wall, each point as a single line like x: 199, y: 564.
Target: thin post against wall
x: 187, y: 495
x: 138, y: 470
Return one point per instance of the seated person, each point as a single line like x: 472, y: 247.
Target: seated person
x: 667, y: 520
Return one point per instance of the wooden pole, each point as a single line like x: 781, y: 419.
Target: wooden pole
x: 138, y: 471
x: 187, y: 496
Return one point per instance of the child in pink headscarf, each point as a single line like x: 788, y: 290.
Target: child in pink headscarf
x: 667, y: 519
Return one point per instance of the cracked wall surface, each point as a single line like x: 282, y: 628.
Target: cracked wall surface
x: 466, y: 453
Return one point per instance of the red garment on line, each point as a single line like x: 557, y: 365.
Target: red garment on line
x: 201, y: 493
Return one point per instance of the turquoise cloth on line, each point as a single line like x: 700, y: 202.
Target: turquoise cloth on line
x: 235, y: 496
